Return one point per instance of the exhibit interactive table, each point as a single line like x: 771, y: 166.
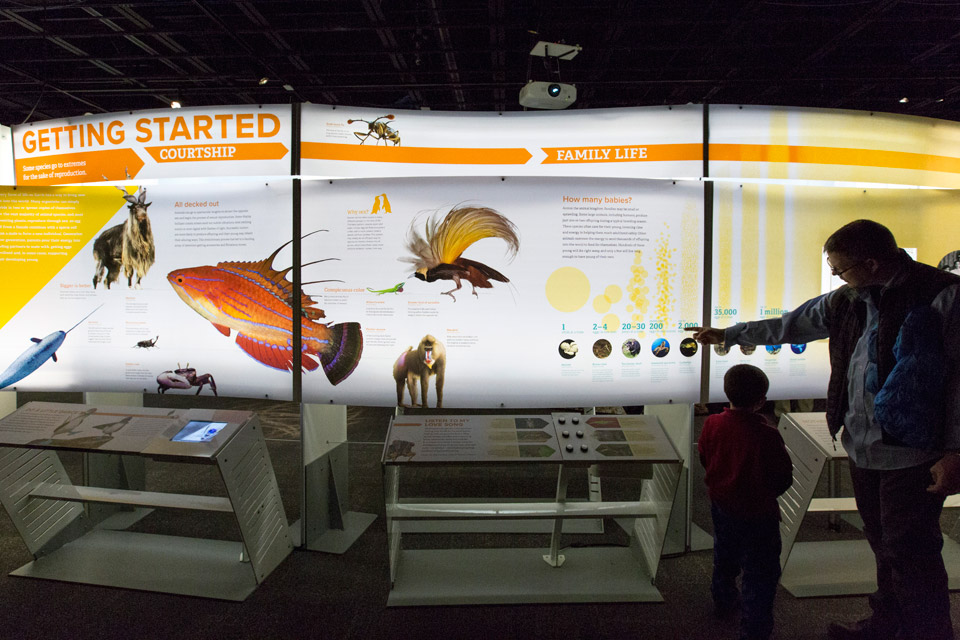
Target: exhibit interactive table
x: 631, y: 446
x: 50, y: 514
x: 830, y: 567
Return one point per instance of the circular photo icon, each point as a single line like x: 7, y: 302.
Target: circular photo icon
x: 748, y: 349
x: 798, y: 348
x: 689, y: 347
x: 951, y: 262
x: 721, y: 350
x: 568, y: 349
x: 774, y: 349
x: 630, y: 347
x: 660, y: 347
x: 602, y: 348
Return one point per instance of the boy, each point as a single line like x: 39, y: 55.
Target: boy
x: 747, y: 467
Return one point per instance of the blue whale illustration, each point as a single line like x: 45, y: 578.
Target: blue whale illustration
x: 38, y: 353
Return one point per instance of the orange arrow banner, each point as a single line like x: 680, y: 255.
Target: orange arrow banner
x: 218, y: 152
x: 834, y: 156
x: 412, y: 155
x: 86, y: 166
x: 626, y: 153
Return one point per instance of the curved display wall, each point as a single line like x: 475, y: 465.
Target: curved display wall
x: 560, y: 255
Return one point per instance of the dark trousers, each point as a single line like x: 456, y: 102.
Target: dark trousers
x: 902, y: 524
x: 750, y: 545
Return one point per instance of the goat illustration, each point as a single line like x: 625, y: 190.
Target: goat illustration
x: 128, y: 245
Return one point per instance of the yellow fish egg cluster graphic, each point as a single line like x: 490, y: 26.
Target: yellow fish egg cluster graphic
x: 610, y: 296
x: 567, y: 289
x: 690, y: 259
x: 637, y: 289
x: 665, y: 274
x: 611, y: 321
x: 603, y: 303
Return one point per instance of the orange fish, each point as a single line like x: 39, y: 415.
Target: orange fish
x: 255, y: 300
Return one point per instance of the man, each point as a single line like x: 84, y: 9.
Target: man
x: 899, y: 489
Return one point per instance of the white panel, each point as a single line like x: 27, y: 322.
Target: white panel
x: 645, y: 142
x: 37, y: 520
x: 611, y: 265
x: 6, y: 155
x: 252, y: 487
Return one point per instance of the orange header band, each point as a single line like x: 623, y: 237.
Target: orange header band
x: 834, y: 156
x: 411, y: 155
x: 87, y: 166
x: 218, y: 152
x: 626, y: 153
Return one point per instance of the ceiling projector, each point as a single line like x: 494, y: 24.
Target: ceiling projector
x: 547, y: 95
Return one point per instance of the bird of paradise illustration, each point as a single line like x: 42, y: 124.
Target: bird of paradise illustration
x: 437, y: 255
x: 256, y: 301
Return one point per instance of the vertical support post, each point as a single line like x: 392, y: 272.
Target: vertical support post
x: 833, y: 487
x: 554, y: 559
x: 297, y: 261
x: 677, y: 422
x: 707, y: 255
x: 391, y: 491
x: 593, y: 479
x: 8, y: 402
x: 326, y: 524
x: 114, y: 471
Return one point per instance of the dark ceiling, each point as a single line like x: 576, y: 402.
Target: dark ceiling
x: 65, y: 58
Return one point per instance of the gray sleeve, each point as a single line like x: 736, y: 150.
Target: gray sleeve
x: 947, y: 304
x: 806, y: 323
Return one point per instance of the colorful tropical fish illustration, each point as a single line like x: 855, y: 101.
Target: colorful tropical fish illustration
x: 255, y: 300
x: 38, y: 353
x: 395, y: 289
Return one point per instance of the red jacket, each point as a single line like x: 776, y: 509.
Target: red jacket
x: 746, y: 461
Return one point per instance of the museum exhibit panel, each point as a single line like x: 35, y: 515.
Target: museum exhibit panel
x: 69, y: 544
x: 830, y: 567
x: 494, y: 445
x: 498, y: 262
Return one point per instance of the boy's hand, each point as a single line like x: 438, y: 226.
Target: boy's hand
x: 706, y: 335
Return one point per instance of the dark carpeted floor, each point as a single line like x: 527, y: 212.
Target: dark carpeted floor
x: 317, y: 595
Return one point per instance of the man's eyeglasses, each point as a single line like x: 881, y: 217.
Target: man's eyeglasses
x: 839, y: 273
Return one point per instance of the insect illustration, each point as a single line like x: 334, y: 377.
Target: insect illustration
x: 438, y: 254
x: 147, y: 344
x: 256, y: 301
x: 128, y: 246
x: 398, y: 288
x: 184, y: 378
x: 38, y: 353
x: 379, y: 130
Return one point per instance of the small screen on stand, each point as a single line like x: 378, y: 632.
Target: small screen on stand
x: 198, y: 431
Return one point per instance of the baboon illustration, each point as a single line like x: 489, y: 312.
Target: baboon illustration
x: 429, y: 358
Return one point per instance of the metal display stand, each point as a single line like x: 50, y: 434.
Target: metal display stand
x: 633, y: 446
x: 50, y: 512
x: 831, y: 567
x: 326, y: 523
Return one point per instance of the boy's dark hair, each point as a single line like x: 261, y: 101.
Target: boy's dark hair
x: 745, y: 385
x: 861, y: 240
